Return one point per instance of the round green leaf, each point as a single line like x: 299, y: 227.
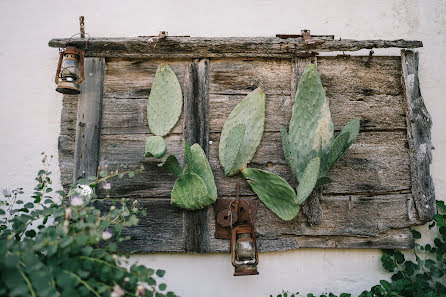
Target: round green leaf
x: 155, y: 146
x: 273, y: 191
x: 251, y: 113
x: 190, y: 192
x: 165, y: 101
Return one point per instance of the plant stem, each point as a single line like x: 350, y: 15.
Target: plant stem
x: 83, y: 282
x: 28, y: 283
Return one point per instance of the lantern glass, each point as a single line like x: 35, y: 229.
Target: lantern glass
x: 70, y: 71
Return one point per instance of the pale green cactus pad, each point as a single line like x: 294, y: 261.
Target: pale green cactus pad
x: 190, y: 192
x: 273, y: 191
x: 311, y: 128
x: 165, y: 101
x: 250, y: 112
x: 198, y: 163
x: 308, y: 180
x: 172, y: 165
x: 233, y: 142
x: 156, y: 147
x: 195, y: 187
x: 310, y: 135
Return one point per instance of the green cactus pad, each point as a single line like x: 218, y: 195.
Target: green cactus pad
x: 311, y: 127
x: 172, y: 165
x: 233, y: 142
x: 251, y: 113
x: 198, y: 164
x: 308, y: 180
x: 273, y: 191
x: 155, y: 146
x: 165, y: 101
x: 337, y: 149
x: 352, y: 127
x: 190, y: 192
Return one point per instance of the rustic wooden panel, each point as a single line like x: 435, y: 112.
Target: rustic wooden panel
x: 88, y: 124
x: 129, y: 149
x: 236, y: 76
x: 160, y: 231
x: 355, y: 220
x: 355, y: 75
x: 419, y: 124
x: 373, y: 176
x: 205, y: 47
x: 119, y: 83
x: 378, y: 162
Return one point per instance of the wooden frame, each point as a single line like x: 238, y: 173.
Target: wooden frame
x: 204, y: 65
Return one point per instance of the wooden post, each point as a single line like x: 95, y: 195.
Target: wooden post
x: 88, y: 125
x: 419, y: 125
x: 196, y: 130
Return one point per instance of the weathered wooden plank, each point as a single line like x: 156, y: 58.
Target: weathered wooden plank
x: 419, y: 124
x: 129, y: 116
x: 196, y: 130
x: 204, y: 47
x: 160, y: 231
x: 377, y: 162
x: 359, y: 76
x: 129, y: 149
x: 119, y: 83
x: 393, y: 239
x: 241, y: 76
x: 377, y: 112
x: 68, y: 115
x: 88, y: 124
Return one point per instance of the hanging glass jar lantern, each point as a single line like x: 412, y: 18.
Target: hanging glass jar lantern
x: 70, y: 71
x: 244, y: 250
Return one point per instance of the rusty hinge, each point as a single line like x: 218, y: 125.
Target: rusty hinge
x: 230, y: 212
x: 307, y: 37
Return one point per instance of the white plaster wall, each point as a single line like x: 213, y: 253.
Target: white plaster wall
x: 30, y: 108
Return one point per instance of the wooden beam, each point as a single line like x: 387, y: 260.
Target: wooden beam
x: 202, y: 47
x: 88, y: 125
x: 419, y: 125
x: 196, y: 130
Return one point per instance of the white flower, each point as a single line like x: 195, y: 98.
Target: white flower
x: 112, y: 207
x: 106, y: 185
x: 68, y: 213
x: 126, y: 279
x: 84, y: 191
x: 106, y: 235
x: 76, y: 201
x: 6, y: 192
x: 139, y: 291
x: 117, y: 291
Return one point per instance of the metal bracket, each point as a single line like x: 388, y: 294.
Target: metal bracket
x: 230, y: 212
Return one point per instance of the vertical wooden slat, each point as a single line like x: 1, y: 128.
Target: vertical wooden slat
x: 312, y: 206
x: 196, y: 130
x: 419, y: 125
x: 88, y: 125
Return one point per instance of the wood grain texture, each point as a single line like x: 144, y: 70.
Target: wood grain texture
x: 378, y: 162
x: 204, y: 47
x: 161, y: 230
x: 196, y: 130
x: 88, y: 124
x: 419, y: 124
x: 366, y: 206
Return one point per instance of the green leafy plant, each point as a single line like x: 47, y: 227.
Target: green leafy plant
x: 240, y: 137
x: 309, y: 146
x: 195, y: 186
x: 420, y: 272
x: 68, y: 246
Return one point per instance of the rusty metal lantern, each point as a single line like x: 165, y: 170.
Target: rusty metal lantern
x: 244, y: 250
x: 70, y: 71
